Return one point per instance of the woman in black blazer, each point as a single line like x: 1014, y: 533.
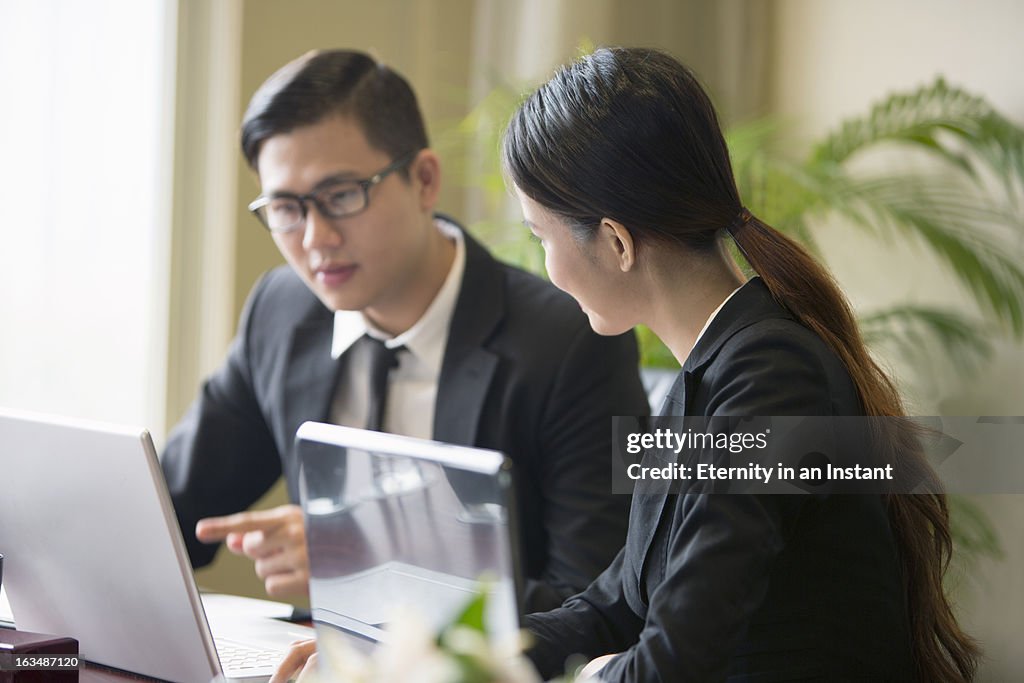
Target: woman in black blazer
x: 623, y: 174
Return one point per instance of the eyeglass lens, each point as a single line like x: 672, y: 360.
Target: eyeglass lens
x: 338, y: 201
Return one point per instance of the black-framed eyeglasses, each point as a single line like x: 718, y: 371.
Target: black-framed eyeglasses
x: 284, y: 212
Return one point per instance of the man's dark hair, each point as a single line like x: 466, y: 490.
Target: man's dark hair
x: 336, y: 82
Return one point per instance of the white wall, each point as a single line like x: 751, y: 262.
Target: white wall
x: 832, y: 59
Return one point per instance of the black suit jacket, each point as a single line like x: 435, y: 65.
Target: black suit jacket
x: 522, y: 373
x: 736, y: 587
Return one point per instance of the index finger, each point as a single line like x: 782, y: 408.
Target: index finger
x: 218, y: 528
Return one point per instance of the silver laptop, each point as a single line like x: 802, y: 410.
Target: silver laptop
x: 93, y: 551
x: 397, y: 525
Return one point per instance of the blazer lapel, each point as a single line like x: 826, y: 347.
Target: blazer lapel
x: 460, y: 396
x: 651, y: 501
x: 468, y: 367
x: 310, y: 378
x: 676, y: 401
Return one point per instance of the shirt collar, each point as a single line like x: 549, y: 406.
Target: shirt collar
x: 751, y: 303
x: 426, y: 338
x: 714, y: 313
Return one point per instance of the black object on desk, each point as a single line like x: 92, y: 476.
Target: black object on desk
x: 300, y: 615
x: 37, y: 658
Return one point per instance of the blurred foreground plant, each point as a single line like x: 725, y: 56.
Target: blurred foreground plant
x: 461, y: 653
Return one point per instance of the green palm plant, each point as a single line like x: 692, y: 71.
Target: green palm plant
x: 964, y: 209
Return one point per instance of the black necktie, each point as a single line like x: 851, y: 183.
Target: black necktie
x: 382, y: 360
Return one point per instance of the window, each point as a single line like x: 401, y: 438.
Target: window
x: 85, y: 171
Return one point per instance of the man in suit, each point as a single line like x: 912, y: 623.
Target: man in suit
x: 464, y: 349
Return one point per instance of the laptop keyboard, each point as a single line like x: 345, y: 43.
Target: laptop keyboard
x: 235, y: 656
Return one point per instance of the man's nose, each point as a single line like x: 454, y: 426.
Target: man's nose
x: 320, y: 231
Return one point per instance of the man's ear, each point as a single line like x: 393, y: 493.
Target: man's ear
x: 425, y: 174
x: 616, y: 237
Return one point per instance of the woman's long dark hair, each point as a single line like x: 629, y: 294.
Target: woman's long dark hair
x: 629, y: 134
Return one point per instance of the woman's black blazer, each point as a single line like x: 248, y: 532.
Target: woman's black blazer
x: 714, y: 587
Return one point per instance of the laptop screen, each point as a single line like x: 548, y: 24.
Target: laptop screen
x: 397, y: 526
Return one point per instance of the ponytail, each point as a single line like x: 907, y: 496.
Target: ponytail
x: 629, y: 134
x: 920, y: 522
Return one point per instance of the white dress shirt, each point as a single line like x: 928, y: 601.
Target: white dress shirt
x: 412, y: 387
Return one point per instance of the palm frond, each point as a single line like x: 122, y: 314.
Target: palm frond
x: 959, y: 128
x: 750, y: 140
x: 769, y: 184
x: 912, y: 329
x: 471, y: 145
x: 962, y: 228
x: 972, y: 531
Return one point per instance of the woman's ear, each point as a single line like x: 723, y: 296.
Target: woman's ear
x: 616, y: 237
x: 425, y: 171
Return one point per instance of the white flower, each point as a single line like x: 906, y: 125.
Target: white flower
x: 411, y: 655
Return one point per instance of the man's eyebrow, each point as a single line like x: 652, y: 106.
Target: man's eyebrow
x: 333, y: 179
x: 341, y: 177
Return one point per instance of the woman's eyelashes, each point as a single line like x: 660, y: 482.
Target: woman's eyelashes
x: 534, y: 237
